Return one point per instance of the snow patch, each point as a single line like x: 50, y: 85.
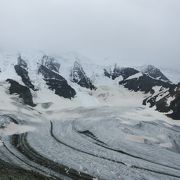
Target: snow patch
x: 135, y: 76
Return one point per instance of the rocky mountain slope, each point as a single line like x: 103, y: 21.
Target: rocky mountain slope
x: 154, y: 72
x: 54, y: 81
x: 79, y: 76
x: 161, y: 93
x: 70, y: 81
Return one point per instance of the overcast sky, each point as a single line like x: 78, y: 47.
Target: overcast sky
x: 146, y: 31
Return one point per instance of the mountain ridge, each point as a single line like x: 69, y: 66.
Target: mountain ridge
x: 158, y: 90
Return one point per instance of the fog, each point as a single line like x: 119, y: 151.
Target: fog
x: 134, y: 31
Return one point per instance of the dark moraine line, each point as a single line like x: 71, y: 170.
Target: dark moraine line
x: 34, y: 167
x: 119, y: 162
x: 20, y: 142
x: 9, y: 171
x: 169, y: 128
x: 81, y: 151
x: 103, y: 145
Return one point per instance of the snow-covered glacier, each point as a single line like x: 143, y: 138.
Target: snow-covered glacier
x: 64, y: 118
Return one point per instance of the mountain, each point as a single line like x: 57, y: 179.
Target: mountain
x: 66, y: 119
x: 172, y: 74
x: 22, y: 70
x: 38, y: 82
x: 79, y: 76
x: 161, y: 93
x: 143, y: 82
x: 50, y: 63
x: 154, y: 72
x: 49, y: 69
x: 125, y: 72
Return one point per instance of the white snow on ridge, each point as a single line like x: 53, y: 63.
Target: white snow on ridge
x: 135, y: 76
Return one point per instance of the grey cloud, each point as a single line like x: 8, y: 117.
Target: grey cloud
x: 137, y: 31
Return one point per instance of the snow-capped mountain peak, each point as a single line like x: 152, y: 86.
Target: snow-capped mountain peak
x: 154, y: 72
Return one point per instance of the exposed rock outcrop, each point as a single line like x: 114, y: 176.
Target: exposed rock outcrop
x: 23, y: 92
x: 57, y: 83
x: 79, y: 76
x: 50, y: 63
x: 164, y: 95
x: 144, y: 83
x: 21, y: 62
x: 108, y: 73
x: 125, y: 72
x: 175, y: 104
x: 154, y: 72
x: 21, y: 70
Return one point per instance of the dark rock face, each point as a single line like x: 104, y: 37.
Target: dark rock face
x: 57, y: 83
x: 159, y: 101
x: 124, y: 72
x: 50, y: 63
x: 144, y: 83
x: 159, y: 98
x: 155, y: 73
x: 117, y: 71
x: 22, y: 91
x: 175, y: 104
x: 79, y: 76
x: 21, y: 70
x: 151, y: 77
x: 23, y: 73
x: 108, y: 73
x: 22, y: 62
